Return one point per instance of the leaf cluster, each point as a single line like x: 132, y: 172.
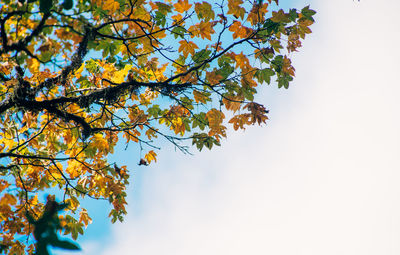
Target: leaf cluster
x: 78, y: 78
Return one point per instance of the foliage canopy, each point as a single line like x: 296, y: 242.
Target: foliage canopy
x: 78, y: 76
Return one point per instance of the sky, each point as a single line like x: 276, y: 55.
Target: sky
x: 321, y: 178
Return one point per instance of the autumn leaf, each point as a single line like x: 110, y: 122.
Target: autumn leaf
x: 239, y: 31
x: 257, y: 13
x: 151, y: 156
x: 240, y: 121
x: 187, y: 47
x: 182, y: 5
x: 279, y: 16
x: 241, y: 61
x: 205, y: 30
x: 84, y: 217
x: 33, y: 65
x: 204, y: 11
x: 232, y: 103
x: 235, y: 8
x: 213, y: 78
x: 200, y: 97
x: 258, y: 112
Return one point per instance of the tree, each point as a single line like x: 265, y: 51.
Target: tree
x: 78, y: 77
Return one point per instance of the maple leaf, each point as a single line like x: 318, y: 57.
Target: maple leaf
x: 257, y: 13
x: 151, y: 156
x: 279, y: 16
x: 235, y: 9
x: 182, y: 5
x: 200, y: 97
x: 239, y: 31
x: 239, y: 121
x: 204, y: 11
x: 187, y: 47
x: 213, y: 78
x: 205, y: 30
x: 232, y: 103
x: 241, y: 60
x: 258, y: 112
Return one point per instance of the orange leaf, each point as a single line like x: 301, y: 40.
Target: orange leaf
x: 235, y: 9
x: 200, y: 97
x: 205, y: 30
x: 233, y: 103
x: 182, y: 6
x: 215, y: 118
x: 257, y: 13
x: 241, y: 61
x: 239, y: 30
x: 187, y: 47
x: 287, y: 66
x: 240, y: 120
x: 213, y: 78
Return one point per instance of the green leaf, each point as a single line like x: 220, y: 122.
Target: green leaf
x: 163, y: 7
x: 202, y: 139
x: 293, y: 15
x: 154, y: 111
x: 199, y: 120
x: 277, y: 63
x: 201, y: 56
x: 308, y: 13
x: 264, y: 75
x: 160, y: 18
x: 271, y: 27
x: 248, y: 93
x: 178, y: 32
x: 283, y: 81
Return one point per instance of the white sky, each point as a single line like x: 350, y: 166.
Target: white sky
x: 323, y: 176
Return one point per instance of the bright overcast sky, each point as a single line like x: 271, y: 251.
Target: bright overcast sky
x: 321, y: 178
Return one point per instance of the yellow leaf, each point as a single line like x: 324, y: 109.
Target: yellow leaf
x: 111, y: 5
x: 78, y: 71
x: 119, y: 76
x: 8, y: 200
x: 241, y: 61
x: 204, y: 11
x: 257, y: 13
x: 74, y: 169
x: 33, y: 65
x: 150, y: 156
x: 100, y: 143
x: 215, y: 119
x: 279, y: 16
